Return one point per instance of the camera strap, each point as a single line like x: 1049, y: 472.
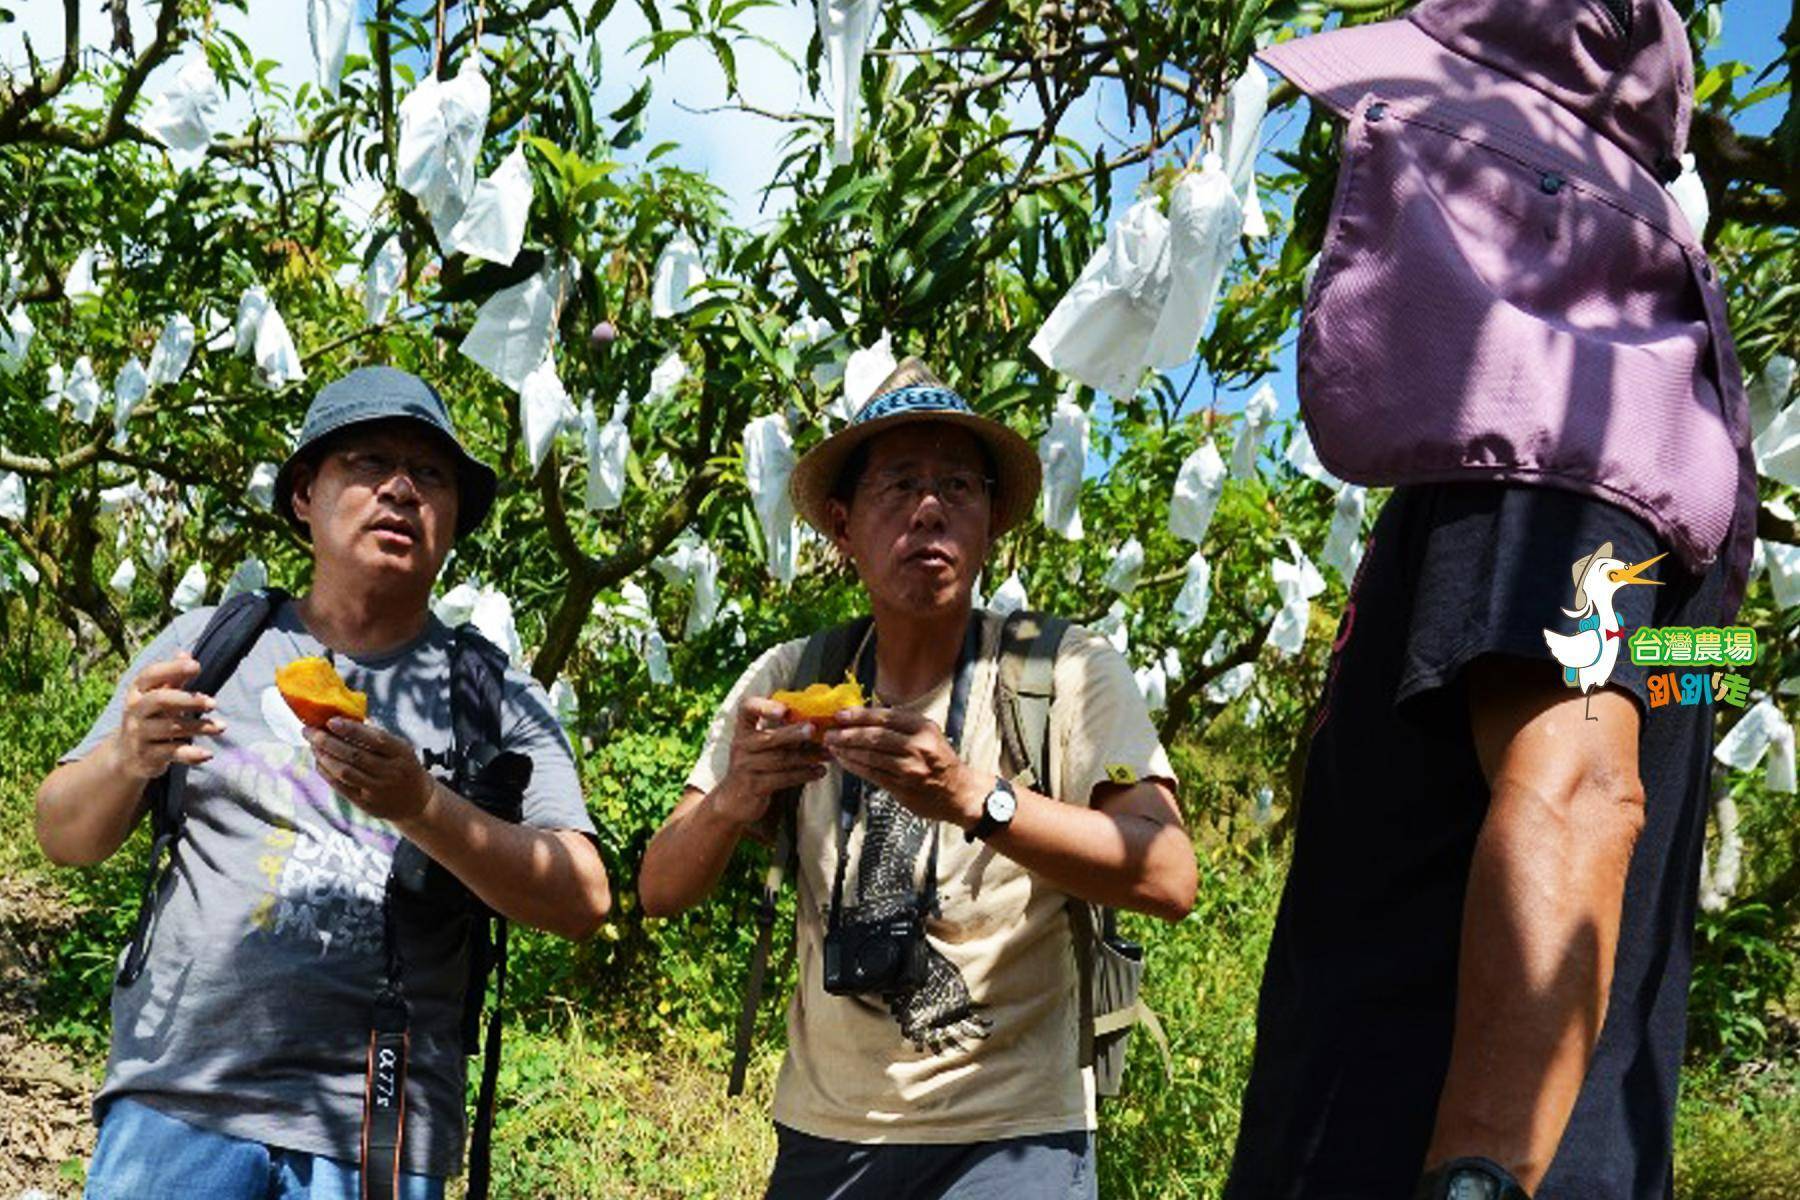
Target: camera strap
x: 850, y: 795
x: 384, y: 1089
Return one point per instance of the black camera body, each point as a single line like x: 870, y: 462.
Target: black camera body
x: 876, y: 957
x: 496, y: 785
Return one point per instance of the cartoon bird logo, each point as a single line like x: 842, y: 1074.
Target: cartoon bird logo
x: 1588, y: 655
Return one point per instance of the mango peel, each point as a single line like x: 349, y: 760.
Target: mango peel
x: 821, y: 702
x: 316, y: 692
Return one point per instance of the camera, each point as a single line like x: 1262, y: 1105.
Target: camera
x: 495, y: 783
x: 879, y: 957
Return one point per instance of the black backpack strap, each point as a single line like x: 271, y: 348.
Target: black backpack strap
x: 221, y: 646
x: 826, y: 656
x: 477, y: 693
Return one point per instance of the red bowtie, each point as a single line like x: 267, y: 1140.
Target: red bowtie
x: 1614, y: 633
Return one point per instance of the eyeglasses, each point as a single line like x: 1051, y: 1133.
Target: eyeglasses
x: 898, y: 490
x: 373, y: 467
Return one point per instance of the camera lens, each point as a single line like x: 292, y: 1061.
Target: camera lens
x: 875, y: 958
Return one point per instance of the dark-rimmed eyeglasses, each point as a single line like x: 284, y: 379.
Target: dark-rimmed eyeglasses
x: 894, y: 491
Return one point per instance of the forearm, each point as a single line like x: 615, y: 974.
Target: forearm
x: 1540, y: 927
x: 1121, y: 859
x: 549, y: 879
x: 86, y: 809
x: 687, y: 856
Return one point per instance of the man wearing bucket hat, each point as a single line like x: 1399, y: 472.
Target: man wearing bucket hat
x: 1477, y: 982
x: 939, y: 1058
x: 243, y: 1058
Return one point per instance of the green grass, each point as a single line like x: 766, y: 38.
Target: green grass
x: 1737, y: 1137
x: 582, y: 1114
x: 613, y: 1083
x: 590, y: 1113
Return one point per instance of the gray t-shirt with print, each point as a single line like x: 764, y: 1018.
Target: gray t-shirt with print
x: 252, y: 1014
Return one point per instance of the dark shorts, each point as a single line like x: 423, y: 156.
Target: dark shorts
x: 1049, y: 1166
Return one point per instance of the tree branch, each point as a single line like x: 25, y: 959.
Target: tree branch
x: 594, y: 575
x: 1725, y: 157
x: 117, y: 126
x: 1771, y: 528
x: 28, y: 99
x: 1158, y: 140
x: 29, y: 464
x: 1181, y: 701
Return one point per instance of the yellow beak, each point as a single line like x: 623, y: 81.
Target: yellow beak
x: 1630, y: 574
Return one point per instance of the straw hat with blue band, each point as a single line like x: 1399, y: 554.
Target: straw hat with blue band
x: 370, y: 394
x: 912, y: 395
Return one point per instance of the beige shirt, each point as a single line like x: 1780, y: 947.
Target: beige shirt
x: 998, y: 1019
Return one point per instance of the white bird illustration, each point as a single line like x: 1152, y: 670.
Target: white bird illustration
x: 1588, y: 655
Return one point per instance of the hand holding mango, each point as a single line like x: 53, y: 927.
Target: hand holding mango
x: 375, y: 770
x: 316, y: 692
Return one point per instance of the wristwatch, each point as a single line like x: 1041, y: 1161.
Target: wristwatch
x: 1470, y: 1179
x: 996, y: 811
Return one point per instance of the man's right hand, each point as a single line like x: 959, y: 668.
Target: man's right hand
x: 767, y: 756
x: 160, y: 720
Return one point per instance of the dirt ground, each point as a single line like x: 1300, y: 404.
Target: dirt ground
x: 45, y: 1133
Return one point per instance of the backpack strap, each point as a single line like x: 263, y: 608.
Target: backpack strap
x: 221, y: 646
x: 1024, y: 690
x: 826, y: 656
x: 477, y: 693
x: 1026, y: 685
x: 1108, y: 994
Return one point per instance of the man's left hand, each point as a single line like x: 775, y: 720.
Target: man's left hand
x: 377, y: 771
x: 910, y: 758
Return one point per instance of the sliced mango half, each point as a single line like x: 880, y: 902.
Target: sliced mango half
x: 316, y: 692
x: 820, y: 702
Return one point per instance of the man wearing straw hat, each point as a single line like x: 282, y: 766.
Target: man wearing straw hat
x: 966, y: 1079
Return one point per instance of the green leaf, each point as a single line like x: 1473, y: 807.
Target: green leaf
x: 1243, y: 26
x: 597, y: 12
x: 632, y: 113
x: 821, y: 301
x: 634, y: 105
x: 845, y: 201
x: 1025, y: 214
x: 581, y: 104
x: 1717, y: 77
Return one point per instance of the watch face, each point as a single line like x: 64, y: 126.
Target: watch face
x: 1001, y: 805
x: 1469, y: 1184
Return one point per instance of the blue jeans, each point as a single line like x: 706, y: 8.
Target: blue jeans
x: 144, y: 1155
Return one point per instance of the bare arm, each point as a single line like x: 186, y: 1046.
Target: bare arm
x: 1541, y: 916
x: 687, y: 856
x: 1127, y: 851
x: 549, y: 878
x: 87, y: 808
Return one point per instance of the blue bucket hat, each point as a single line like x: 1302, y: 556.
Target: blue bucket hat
x: 370, y: 394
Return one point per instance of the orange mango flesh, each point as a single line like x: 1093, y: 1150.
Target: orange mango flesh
x: 820, y: 702
x: 316, y: 692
